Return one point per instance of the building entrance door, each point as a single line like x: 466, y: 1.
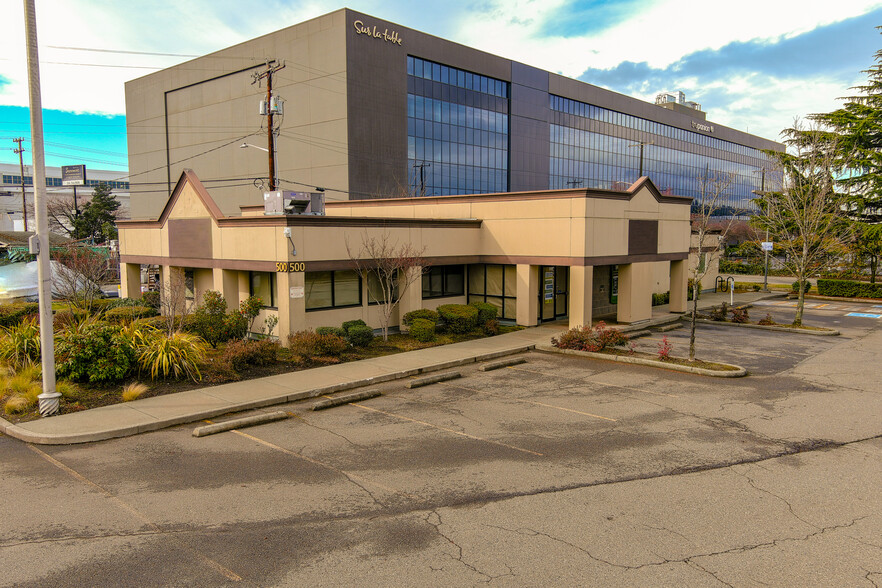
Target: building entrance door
x: 553, y: 292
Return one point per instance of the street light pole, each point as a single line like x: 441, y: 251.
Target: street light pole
x: 48, y: 400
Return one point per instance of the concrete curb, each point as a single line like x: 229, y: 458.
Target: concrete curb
x: 27, y: 436
x: 257, y: 419
x: 824, y: 333
x: 346, y: 399
x: 740, y: 372
x: 487, y: 367
x: 429, y: 380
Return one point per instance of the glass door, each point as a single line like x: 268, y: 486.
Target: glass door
x: 553, y: 292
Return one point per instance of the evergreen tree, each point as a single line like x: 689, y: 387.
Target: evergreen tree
x: 97, y: 221
x: 857, y: 127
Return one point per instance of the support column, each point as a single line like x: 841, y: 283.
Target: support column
x: 413, y: 296
x: 679, y: 282
x: 291, y: 301
x: 581, y: 295
x: 130, y: 280
x: 227, y: 283
x: 635, y: 293
x: 528, y: 295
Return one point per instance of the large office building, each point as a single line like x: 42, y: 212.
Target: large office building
x: 369, y: 109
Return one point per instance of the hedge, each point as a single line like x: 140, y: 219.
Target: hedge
x: 360, y: 335
x: 849, y: 289
x: 422, y: 313
x: 459, y: 318
x: 12, y: 314
x: 486, y: 312
x: 422, y: 330
x: 353, y: 323
x: 129, y: 313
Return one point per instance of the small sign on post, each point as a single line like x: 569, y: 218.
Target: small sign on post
x: 767, y: 245
x: 73, y: 175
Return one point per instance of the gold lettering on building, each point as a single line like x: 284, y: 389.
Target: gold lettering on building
x: 373, y: 31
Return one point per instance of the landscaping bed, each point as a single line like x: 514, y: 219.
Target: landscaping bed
x: 104, y: 358
x: 719, y: 315
x: 601, y: 342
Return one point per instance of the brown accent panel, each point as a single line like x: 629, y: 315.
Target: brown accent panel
x: 228, y: 264
x: 642, y: 237
x: 347, y: 221
x: 190, y: 237
x: 622, y: 259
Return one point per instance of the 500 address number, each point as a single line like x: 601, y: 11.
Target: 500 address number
x: 288, y: 267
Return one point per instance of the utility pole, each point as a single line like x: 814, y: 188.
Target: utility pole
x: 766, y: 266
x: 641, y: 144
x: 270, y: 110
x: 422, y: 165
x: 24, y: 200
x: 39, y: 243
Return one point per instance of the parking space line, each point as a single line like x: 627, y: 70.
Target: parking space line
x: 344, y: 473
x: 226, y: 572
x: 602, y: 384
x: 596, y: 416
x: 475, y: 437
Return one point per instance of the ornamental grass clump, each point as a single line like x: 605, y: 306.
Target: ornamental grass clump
x: 133, y: 391
x: 177, y: 355
x: 586, y: 338
x: 20, y: 344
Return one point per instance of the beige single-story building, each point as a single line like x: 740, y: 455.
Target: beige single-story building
x: 572, y: 254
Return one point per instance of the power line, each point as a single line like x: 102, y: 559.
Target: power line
x: 120, y: 51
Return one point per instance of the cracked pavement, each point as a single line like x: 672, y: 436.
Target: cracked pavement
x: 561, y: 471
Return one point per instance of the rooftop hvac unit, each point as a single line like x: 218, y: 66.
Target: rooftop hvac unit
x: 290, y: 203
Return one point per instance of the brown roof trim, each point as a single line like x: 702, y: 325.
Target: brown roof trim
x: 344, y: 221
x: 595, y: 193
x: 342, y: 264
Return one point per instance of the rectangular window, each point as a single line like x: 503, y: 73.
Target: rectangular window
x: 263, y: 285
x: 336, y: 289
x: 496, y: 285
x: 377, y: 290
x: 189, y: 287
x: 444, y: 280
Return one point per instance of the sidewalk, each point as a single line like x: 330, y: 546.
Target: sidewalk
x: 158, y: 412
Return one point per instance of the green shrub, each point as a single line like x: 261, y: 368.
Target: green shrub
x: 459, y: 318
x: 98, y: 354
x: 849, y: 289
x: 242, y: 354
x: 421, y: 313
x: 210, y: 319
x: 249, y: 309
x: 151, y: 299
x: 719, y: 313
x: 795, y: 287
x: 12, y: 314
x: 68, y: 318
x: 360, y: 335
x: 423, y: 330
x: 20, y: 344
x: 306, y: 345
x: 100, y: 305
x: 127, y: 314
x: 660, y: 299
x: 155, y: 322
x: 490, y: 327
x: 176, y: 355
x: 486, y: 312
x: 735, y: 267
x: 338, y: 331
x: 589, y: 339
x: 689, y: 285
x: 349, y: 324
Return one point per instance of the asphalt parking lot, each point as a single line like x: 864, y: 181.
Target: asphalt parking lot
x: 367, y: 491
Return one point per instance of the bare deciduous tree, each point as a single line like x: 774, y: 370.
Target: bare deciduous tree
x: 173, y: 302
x: 714, y: 190
x: 389, y: 269
x: 806, y: 216
x: 79, y: 273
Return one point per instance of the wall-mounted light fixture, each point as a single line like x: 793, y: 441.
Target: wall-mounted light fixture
x: 287, y: 232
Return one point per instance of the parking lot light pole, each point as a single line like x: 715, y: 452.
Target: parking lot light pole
x: 39, y: 243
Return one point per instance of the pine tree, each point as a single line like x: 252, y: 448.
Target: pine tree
x: 97, y: 221
x: 858, y: 130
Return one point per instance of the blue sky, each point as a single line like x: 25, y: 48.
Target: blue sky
x: 754, y: 65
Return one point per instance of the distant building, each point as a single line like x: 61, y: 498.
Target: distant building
x: 10, y: 192
x: 376, y: 110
